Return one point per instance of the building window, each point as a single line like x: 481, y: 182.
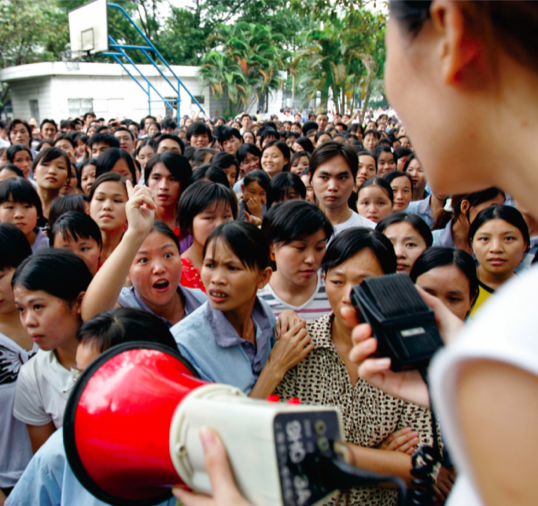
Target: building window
x: 34, y: 110
x: 79, y: 106
x: 200, y: 99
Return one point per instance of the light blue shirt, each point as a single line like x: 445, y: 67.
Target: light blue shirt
x: 443, y: 237
x: 49, y: 480
x: 41, y: 241
x: 422, y: 209
x: 211, y: 344
x: 192, y: 297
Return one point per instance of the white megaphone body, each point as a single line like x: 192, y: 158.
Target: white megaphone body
x: 131, y: 432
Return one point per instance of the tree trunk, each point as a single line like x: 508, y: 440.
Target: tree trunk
x: 366, y: 99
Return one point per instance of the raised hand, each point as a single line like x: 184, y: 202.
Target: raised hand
x: 140, y: 209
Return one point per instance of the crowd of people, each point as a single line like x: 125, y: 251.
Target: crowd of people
x: 236, y: 242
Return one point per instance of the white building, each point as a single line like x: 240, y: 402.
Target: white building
x: 61, y: 90
x: 56, y: 90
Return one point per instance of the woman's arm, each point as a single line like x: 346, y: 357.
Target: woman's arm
x: 39, y: 434
x: 105, y: 288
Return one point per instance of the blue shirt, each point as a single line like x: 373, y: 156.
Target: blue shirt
x: 213, y: 347
x: 443, y: 237
x: 49, y: 480
x: 422, y: 209
x: 192, y: 297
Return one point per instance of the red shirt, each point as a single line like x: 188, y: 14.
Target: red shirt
x: 190, y: 275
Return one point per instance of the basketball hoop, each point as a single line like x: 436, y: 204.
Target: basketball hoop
x: 71, y: 60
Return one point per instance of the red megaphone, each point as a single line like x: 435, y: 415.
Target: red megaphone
x: 117, y: 422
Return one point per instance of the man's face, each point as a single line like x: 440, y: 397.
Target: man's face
x: 322, y: 121
x: 48, y: 131
x: 98, y: 148
x: 333, y: 183
x: 89, y: 120
x: 245, y: 122
x: 126, y: 141
x: 296, y: 129
x: 168, y: 145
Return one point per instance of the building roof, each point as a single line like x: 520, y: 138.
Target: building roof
x: 45, y: 69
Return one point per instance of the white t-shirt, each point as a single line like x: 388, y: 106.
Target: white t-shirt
x: 318, y: 305
x: 15, y: 447
x: 42, y: 390
x: 356, y: 220
x: 504, y: 330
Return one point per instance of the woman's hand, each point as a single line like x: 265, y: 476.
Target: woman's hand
x: 445, y: 482
x: 140, y: 209
x: 286, y: 320
x: 249, y: 218
x: 255, y: 207
x: 292, y: 347
x: 403, y: 440
x: 225, y: 491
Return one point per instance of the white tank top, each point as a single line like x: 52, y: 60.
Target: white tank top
x: 505, y: 330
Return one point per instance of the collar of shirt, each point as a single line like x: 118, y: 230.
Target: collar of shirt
x: 445, y: 236
x: 323, y: 339
x: 226, y: 336
x: 423, y: 206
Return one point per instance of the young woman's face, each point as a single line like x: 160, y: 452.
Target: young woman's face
x: 87, y: 177
x: 7, y: 301
x: 366, y: 169
x: 20, y: 214
x: 144, y: 156
x: 374, y: 204
x: 164, y: 186
x: 408, y: 244
x: 323, y: 139
x: 248, y: 137
x: 209, y: 219
x: 273, y: 161
x: 86, y: 248
x: 49, y: 321
x: 300, y: 165
x: 340, y: 280
x: 299, y: 261
x: 70, y: 186
x: 451, y: 286
x: 310, y: 196
x: 370, y: 141
x: 121, y: 167
x: 52, y: 175
x: 254, y: 189
x: 81, y: 149
x: 499, y: 247
x: 156, y: 270
x: 385, y: 163
x: 229, y: 284
x: 231, y: 174
x: 153, y: 130
x: 414, y: 169
x: 107, y: 207
x: 403, y: 193
x: 23, y: 161
x: 250, y: 163
x: 66, y: 147
x: 19, y: 135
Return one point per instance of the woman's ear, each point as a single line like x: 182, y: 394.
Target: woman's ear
x: 465, y: 206
x: 78, y: 303
x: 265, y: 277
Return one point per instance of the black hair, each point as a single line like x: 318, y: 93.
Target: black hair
x: 75, y: 225
x: 352, y: 241
x: 280, y: 185
x: 199, y: 155
x: 415, y: 221
x: 14, y: 149
x: 76, y: 202
x: 65, y: 137
x: 200, y: 196
x: 168, y: 123
x: 105, y: 138
x: 246, y: 241
x: 20, y: 190
x: 375, y: 133
x: 13, y: 168
x: 319, y: 133
x: 381, y: 183
x: 380, y: 148
x: 43, y: 142
x: 284, y: 149
x: 198, y: 128
x: 306, y: 144
x: 109, y: 158
x: 146, y: 142
x: 50, y: 154
x: 260, y: 177
x: 211, y: 173
x: 309, y: 125
x: 226, y: 133
x: 177, y: 164
x: 389, y: 177
x: 124, y: 325
x: 436, y: 257
x: 500, y: 212
x: 298, y: 155
x: 14, y: 246
x: 171, y: 137
x: 225, y: 160
x: 245, y: 149
x: 57, y: 272
x: 370, y: 154
x: 123, y: 128
x: 67, y: 123
x: 164, y: 229
x: 51, y: 121
x: 402, y: 152
x: 331, y: 150
x: 103, y: 178
x: 268, y: 132
x: 293, y: 221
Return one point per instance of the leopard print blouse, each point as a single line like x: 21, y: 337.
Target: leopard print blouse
x: 369, y: 415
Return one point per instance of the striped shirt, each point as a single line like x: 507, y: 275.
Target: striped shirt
x: 318, y: 305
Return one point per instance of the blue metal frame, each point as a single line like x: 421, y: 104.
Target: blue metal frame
x: 121, y: 52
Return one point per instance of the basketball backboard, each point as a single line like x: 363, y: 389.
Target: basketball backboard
x: 88, y: 28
